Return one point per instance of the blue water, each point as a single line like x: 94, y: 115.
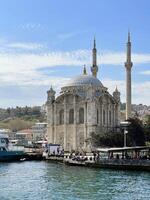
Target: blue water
x: 48, y: 181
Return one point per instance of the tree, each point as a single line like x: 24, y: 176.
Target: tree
x: 147, y: 129
x: 135, y: 136
x: 109, y: 139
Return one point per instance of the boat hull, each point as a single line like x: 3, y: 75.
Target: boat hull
x: 143, y: 165
x: 10, y: 156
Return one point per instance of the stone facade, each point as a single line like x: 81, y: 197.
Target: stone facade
x: 83, y: 107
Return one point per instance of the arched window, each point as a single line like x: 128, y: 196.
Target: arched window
x: 97, y: 117
x: 61, y: 117
x: 81, y: 115
x: 103, y: 116
x: 109, y: 117
x: 71, y: 116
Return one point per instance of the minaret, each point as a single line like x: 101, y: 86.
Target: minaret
x: 50, y: 96
x: 128, y: 66
x: 84, y: 70
x: 94, y: 68
x: 116, y: 95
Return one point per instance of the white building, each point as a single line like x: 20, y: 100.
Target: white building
x: 83, y: 107
x: 39, y: 131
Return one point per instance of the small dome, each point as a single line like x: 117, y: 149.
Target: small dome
x: 84, y: 80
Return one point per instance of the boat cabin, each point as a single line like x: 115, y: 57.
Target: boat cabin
x: 138, y: 152
x: 4, y: 142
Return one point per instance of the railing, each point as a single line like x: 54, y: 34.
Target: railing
x: 16, y: 148
x: 133, y: 162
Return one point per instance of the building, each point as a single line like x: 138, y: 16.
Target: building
x: 8, y: 132
x: 39, y: 131
x: 83, y: 107
x: 24, y: 136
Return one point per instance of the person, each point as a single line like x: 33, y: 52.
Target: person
x: 111, y: 155
x: 117, y: 156
x: 57, y: 150
x: 94, y: 154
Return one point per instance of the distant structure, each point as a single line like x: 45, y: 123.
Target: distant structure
x: 39, y: 131
x: 94, y: 68
x: 128, y: 66
x: 84, y: 107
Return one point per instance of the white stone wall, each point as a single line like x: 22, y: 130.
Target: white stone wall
x: 73, y: 136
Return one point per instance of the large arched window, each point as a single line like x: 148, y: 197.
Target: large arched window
x: 97, y: 116
x: 61, y: 116
x: 81, y: 115
x: 103, y: 116
x: 71, y: 116
x: 109, y: 117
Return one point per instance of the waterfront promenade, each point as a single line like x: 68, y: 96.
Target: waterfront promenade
x: 39, y: 180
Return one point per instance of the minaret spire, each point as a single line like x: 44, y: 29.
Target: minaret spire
x: 94, y: 68
x: 128, y: 66
x: 94, y: 43
x: 128, y: 36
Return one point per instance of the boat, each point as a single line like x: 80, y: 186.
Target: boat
x: 126, y: 158
x: 7, y: 152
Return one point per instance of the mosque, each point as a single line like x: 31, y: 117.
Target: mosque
x: 83, y: 107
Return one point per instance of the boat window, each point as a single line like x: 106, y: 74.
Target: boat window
x: 2, y: 140
x: 2, y: 149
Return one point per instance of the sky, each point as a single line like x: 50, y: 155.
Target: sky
x: 47, y: 42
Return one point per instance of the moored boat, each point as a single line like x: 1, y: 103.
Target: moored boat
x: 128, y: 158
x: 7, y: 152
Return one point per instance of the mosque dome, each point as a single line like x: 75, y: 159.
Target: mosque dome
x: 84, y: 80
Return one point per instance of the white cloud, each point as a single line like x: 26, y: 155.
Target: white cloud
x: 31, y: 26
x: 26, y: 61
x: 64, y: 36
x: 140, y: 91
x: 22, y: 69
x: 25, y: 46
x: 147, y: 72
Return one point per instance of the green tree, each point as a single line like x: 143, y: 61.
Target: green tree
x: 135, y: 136
x: 109, y: 139
x: 147, y: 129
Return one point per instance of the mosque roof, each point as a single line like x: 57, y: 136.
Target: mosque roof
x: 84, y: 80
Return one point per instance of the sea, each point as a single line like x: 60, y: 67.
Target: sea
x: 42, y: 180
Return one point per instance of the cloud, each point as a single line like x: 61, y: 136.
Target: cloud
x: 21, y: 69
x: 28, y: 61
x: 64, y: 36
x: 31, y: 26
x: 12, y: 48
x: 145, y: 72
x: 25, y: 46
x: 140, y: 91
x: 24, y: 67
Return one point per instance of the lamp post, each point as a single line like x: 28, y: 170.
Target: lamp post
x: 125, y: 125
x: 125, y: 137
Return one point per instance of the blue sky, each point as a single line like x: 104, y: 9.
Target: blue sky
x: 45, y: 42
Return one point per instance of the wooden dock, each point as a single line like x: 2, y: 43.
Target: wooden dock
x: 33, y: 154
